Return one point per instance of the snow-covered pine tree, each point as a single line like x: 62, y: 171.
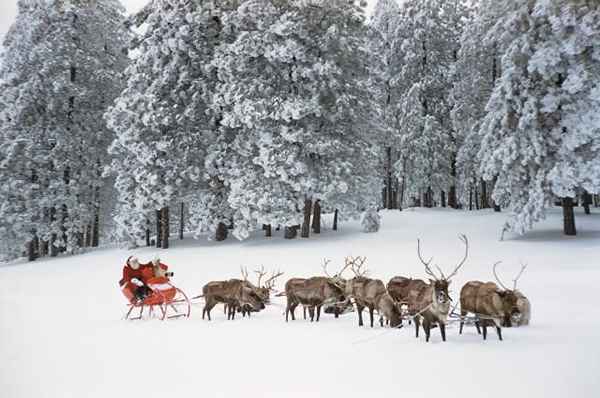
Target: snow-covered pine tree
x: 384, y: 61
x: 161, y: 121
x: 475, y: 73
x: 541, y: 133
x: 293, y: 95
x: 428, y: 31
x: 60, y: 69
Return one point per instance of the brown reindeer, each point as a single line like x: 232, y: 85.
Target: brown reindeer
x: 491, y: 305
x: 314, y: 292
x: 523, y: 314
x: 428, y: 303
x: 234, y: 293
x: 263, y: 291
x: 371, y: 293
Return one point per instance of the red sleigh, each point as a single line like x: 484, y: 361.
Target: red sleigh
x: 165, y: 300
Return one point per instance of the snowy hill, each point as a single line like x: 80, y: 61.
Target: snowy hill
x: 61, y: 332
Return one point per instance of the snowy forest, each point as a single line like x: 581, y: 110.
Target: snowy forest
x: 223, y: 118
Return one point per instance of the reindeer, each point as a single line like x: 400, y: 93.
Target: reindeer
x: 523, y: 306
x: 371, y: 293
x: 428, y: 303
x: 314, y: 293
x: 491, y: 305
x: 234, y: 293
x: 263, y: 291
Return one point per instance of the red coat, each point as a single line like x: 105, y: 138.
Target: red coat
x: 143, y: 273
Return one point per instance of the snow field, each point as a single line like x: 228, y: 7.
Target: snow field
x: 61, y: 332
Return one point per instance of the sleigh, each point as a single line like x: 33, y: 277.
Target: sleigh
x: 164, y: 302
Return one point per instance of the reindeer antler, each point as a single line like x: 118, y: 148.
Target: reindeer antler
x: 357, y: 269
x: 324, y: 265
x: 523, y: 266
x: 464, y: 239
x: 244, y: 273
x: 326, y: 262
x: 496, y: 275
x: 260, y: 272
x: 269, y: 283
x: 425, y: 263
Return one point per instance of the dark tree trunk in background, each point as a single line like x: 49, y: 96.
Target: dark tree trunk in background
x: 316, y: 221
x: 443, y: 198
x: 148, y: 237
x: 290, y: 232
x: 596, y: 200
x: 158, y: 229
x: 335, y: 220
x: 396, y: 204
x: 305, y: 233
x: 43, y: 248
x: 164, y: 220
x: 221, y: 232
x: 485, y: 204
x: 181, y: 221
x: 470, y: 198
x: 428, y: 198
x: 586, y: 200
x: 31, y: 250
x: 268, y: 230
x: 452, y: 201
x: 568, y: 216
x: 388, y: 204
x: 88, y: 235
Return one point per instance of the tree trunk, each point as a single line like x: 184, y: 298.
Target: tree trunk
x: 452, y: 201
x: 31, y: 250
x: 88, y: 235
x: 148, y: 237
x: 586, y: 200
x: 221, y: 232
x: 181, y: 223
x: 290, y: 232
x: 428, y: 198
x: 443, y: 198
x: 165, y: 227
x: 43, y: 248
x: 158, y: 229
x: 568, y: 216
x: 268, y: 230
x: 316, y: 221
x: 53, y: 248
x: 335, y: 220
x: 389, y: 189
x: 484, y: 196
x: 306, y: 222
x: 470, y: 198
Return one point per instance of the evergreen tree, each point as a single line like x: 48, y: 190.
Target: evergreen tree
x: 61, y: 67
x: 540, y: 134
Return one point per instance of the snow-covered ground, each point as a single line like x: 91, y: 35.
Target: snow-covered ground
x: 61, y: 332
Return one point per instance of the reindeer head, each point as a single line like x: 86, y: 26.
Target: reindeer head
x: 442, y: 282
x: 510, y: 297
x: 264, y: 291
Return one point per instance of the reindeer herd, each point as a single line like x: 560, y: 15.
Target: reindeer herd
x: 426, y: 303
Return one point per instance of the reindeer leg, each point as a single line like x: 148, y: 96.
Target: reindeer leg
x: 371, y: 310
x: 442, y: 330
x: 359, y: 309
x: 336, y: 312
x: 318, y: 312
x: 304, y: 311
x: 499, y: 331
x: 427, y: 328
x: 477, y: 326
x: 462, y: 321
x: 381, y: 321
x: 416, y: 327
x: 484, y: 327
